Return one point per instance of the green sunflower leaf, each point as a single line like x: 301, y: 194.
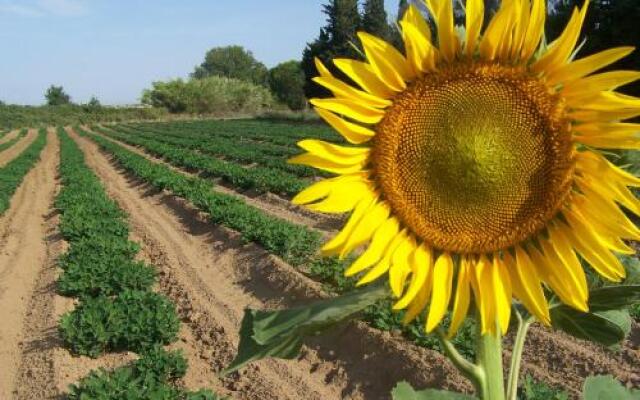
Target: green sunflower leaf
x: 404, y: 391
x: 280, y: 333
x: 605, y: 327
x: 607, y: 387
x: 614, y: 297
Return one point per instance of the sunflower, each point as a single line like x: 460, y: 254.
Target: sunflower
x: 477, y: 170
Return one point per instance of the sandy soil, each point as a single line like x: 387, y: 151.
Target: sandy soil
x: 9, y: 136
x: 15, y: 150
x: 23, y: 256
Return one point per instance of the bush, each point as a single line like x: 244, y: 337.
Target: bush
x: 286, y: 81
x: 212, y: 95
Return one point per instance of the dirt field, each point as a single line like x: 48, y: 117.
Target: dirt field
x: 213, y: 277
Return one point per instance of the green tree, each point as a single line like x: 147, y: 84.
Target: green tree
x: 56, y: 96
x: 286, y: 81
x: 94, y: 102
x: 232, y: 62
x: 374, y: 19
x: 335, y: 39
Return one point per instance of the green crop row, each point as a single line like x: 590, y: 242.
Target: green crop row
x: 294, y: 243
x: 260, y: 180
x: 276, y: 133
x: 12, y: 174
x: 152, y: 377
x: 328, y: 270
x: 228, y: 149
x: 13, y: 141
x: 117, y: 310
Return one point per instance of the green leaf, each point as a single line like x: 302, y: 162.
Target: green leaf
x: 280, y: 333
x: 614, y: 297
x: 606, y: 387
x: 404, y: 391
x: 604, y: 327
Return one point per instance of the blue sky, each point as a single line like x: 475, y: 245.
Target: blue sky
x: 115, y: 48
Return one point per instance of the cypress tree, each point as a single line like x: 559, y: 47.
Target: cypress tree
x: 374, y: 19
x: 343, y: 21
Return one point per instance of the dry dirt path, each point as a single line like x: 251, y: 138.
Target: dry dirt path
x: 15, y: 150
x: 212, y: 277
x: 23, y: 254
x: 10, y: 135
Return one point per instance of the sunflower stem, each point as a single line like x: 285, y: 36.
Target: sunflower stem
x: 516, y: 356
x: 489, y: 358
x: 467, y: 368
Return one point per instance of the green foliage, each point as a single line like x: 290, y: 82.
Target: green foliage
x: 334, y: 41
x: 536, y: 390
x: 12, y: 174
x: 374, y: 19
x: 12, y: 116
x: 149, y: 378
x: 404, y: 391
x: 293, y: 243
x: 280, y: 333
x: 56, y: 96
x: 607, y: 387
x: 134, y: 321
x: 232, y: 62
x: 210, y: 95
x: 286, y: 81
x: 10, y: 143
x: 258, y: 179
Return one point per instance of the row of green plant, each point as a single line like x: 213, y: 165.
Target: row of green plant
x: 257, y: 179
x: 11, y: 142
x: 116, y: 310
x: 291, y: 242
x: 330, y: 271
x: 227, y: 149
x: 12, y: 174
x: 255, y: 130
x: 14, y: 116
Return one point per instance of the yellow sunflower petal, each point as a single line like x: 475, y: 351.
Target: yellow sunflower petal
x: 619, y: 114
x: 612, y: 102
x: 335, y: 245
x: 334, y: 152
x: 353, y: 133
x: 598, y: 166
x: 585, y: 88
x: 528, y: 287
x: 448, y: 42
x: 535, y: 29
x: 421, y: 264
x: 498, y: 32
x: 629, y: 141
x: 474, y: 21
x: 400, y: 266
x: 560, y: 50
x: 421, y: 54
x: 482, y: 283
x: 420, y: 302
x: 320, y: 67
x: 441, y: 293
x: 556, y: 275
x: 366, y: 227
x: 364, y: 75
x: 337, y: 194
x: 381, y: 239
x: 326, y: 165
x: 570, y: 265
x: 594, y: 204
x: 502, y: 291
x: 413, y: 17
x: 588, y: 65
x: 520, y: 29
x: 351, y: 109
x: 461, y: 298
x: 389, y: 65
x: 385, y: 262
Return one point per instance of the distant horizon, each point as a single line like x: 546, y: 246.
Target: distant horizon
x: 115, y: 49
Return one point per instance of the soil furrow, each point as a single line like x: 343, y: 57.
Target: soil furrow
x: 15, y: 150
x: 212, y: 277
x: 9, y: 136
x: 24, y: 258
x: 268, y: 203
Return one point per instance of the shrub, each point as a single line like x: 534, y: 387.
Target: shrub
x: 211, y: 95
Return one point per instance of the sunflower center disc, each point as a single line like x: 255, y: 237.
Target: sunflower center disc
x: 475, y: 158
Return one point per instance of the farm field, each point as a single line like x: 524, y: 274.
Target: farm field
x: 146, y: 241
